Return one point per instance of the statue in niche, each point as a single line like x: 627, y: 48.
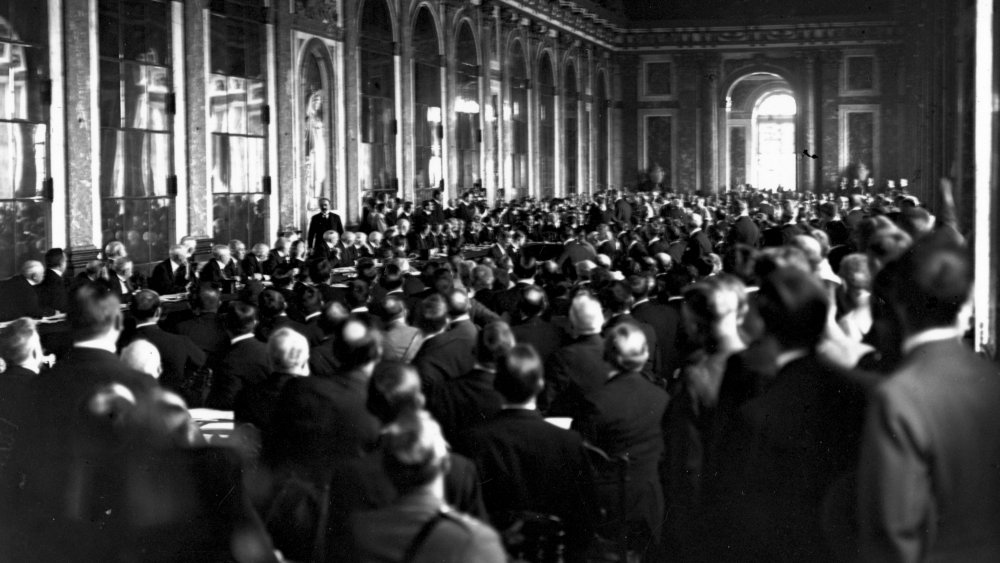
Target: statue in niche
x: 315, y: 146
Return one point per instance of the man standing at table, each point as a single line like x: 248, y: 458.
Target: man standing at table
x: 322, y: 222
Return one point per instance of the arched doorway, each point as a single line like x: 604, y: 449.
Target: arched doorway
x: 570, y: 129
x: 377, y: 150
x: 760, y: 132
x: 467, y: 110
x: 427, y: 115
x: 546, y: 127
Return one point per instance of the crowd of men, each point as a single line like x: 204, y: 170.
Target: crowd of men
x: 751, y: 376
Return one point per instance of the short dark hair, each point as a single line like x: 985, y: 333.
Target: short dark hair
x: 271, y: 303
x: 394, y: 388
x: 525, y: 268
x: 931, y: 283
x: 392, y: 277
x: 494, y: 341
x: 433, y: 314
x: 15, y: 339
x: 54, y: 258
x: 241, y: 318
x: 92, y: 311
x: 357, y: 293
x: 520, y: 375
x: 319, y: 271
x: 793, y: 305
x: 208, y: 299
x: 358, y: 342
x: 414, y: 451
x: 145, y: 304
x: 617, y: 297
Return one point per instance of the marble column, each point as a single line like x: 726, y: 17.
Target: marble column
x: 711, y: 73
x: 809, y: 112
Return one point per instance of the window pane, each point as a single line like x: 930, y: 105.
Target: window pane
x: 111, y: 98
x: 220, y: 163
x: 256, y: 93
x: 8, y: 146
x: 133, y: 18
x: 237, y: 104
x: 157, y: 49
x: 220, y: 59
x: 135, y: 97
x: 31, y: 234
x: 28, y: 164
x: 159, y: 161
x: 112, y: 163
x: 255, y: 163
x: 217, y: 104
x: 237, y: 164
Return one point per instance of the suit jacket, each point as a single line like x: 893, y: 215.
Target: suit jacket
x: 319, y: 224
x: 124, y: 293
x: 623, y: 213
x: 178, y: 354
x: 207, y: 333
x: 525, y: 463
x: 800, y: 435
x: 213, y: 274
x: 445, y: 356
x: 928, y: 484
x: 467, y: 330
x: 244, y: 365
x: 781, y: 234
x: 652, y: 370
x: 18, y: 298
x: 53, y: 292
x: 164, y: 282
x: 573, y: 371
x: 666, y: 322
x: 625, y: 416
x: 322, y: 361
x: 385, y: 534
x: 576, y: 251
x: 251, y: 266
x: 320, y: 420
x: 544, y: 336
x: 459, y: 404
x: 256, y: 404
x: 401, y: 342
x: 698, y: 247
x: 15, y: 407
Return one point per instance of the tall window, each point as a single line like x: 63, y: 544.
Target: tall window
x: 467, y: 111
x: 136, y: 126
x: 237, y: 98
x: 518, y: 112
x: 547, y: 127
x: 774, y: 141
x: 427, y: 117
x: 570, y: 130
x: 24, y: 215
x: 601, y: 100
x: 377, y: 152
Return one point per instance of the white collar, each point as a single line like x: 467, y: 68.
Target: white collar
x: 241, y: 338
x: 96, y: 344
x: 937, y: 334
x: 312, y: 316
x: 359, y: 310
x: 789, y: 356
x: 640, y: 302
x: 147, y: 323
x: 460, y: 319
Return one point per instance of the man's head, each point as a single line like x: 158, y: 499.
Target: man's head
x: 533, y: 301
x: 519, y: 377
x: 240, y: 319
x: 288, y: 352
x: 585, y: 315
x: 793, y: 305
x: 142, y: 355
x: 393, y: 308
x: 123, y: 267
x: 482, y: 277
x: 324, y: 204
x: 260, y: 250
x: 271, y: 303
x: 932, y: 281
x: 394, y: 389
x: 358, y: 345
x: 33, y: 271
x: 94, y: 313
x: 357, y: 294
x: 222, y: 253
x: 617, y: 298
x: 208, y: 299
x: 348, y: 238
x: 190, y: 244
x: 433, y: 316
x: 414, y: 452
x: 458, y: 303
x: 146, y: 306
x: 237, y: 249
x: 20, y: 344
x: 495, y: 341
x: 178, y: 254
x: 55, y: 259
x: 626, y: 348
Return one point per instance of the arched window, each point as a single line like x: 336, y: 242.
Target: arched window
x: 570, y: 129
x: 237, y: 95
x: 137, y: 181
x: 377, y: 151
x: 427, y: 115
x: 24, y: 117
x: 517, y: 69
x: 467, y: 111
x: 601, y: 101
x: 774, y: 141
x: 546, y: 127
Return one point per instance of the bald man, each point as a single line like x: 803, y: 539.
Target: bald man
x: 579, y: 367
x: 18, y: 297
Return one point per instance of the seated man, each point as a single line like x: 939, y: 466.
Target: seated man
x: 21, y: 353
x: 288, y: 355
x: 205, y: 328
x: 173, y: 274
x: 220, y: 268
x: 180, y: 355
x: 527, y: 464
x: 245, y: 363
x: 18, y: 297
x: 419, y: 526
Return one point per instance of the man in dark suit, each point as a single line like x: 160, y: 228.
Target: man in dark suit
x: 623, y: 212
x: 744, y: 230
x: 53, y: 292
x: 464, y: 211
x: 698, y: 244
x: 461, y: 403
x: 402, y: 341
x: 625, y: 416
x: 617, y: 301
x: 220, y: 268
x: 576, y: 250
x: 579, y: 367
x: 273, y: 310
x: 532, y: 328
x: 173, y: 274
x: 180, y: 356
x: 245, y: 363
x: 664, y: 319
x: 796, y: 438
x: 288, y: 357
x: 21, y: 350
x: 928, y: 482
x: 253, y: 265
x: 527, y: 464
x: 459, y: 321
x: 55, y: 520
x: 322, y: 222
x: 444, y: 354
x: 205, y: 328
x: 18, y: 297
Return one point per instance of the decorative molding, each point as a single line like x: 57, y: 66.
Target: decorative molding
x: 777, y: 35
x: 319, y: 16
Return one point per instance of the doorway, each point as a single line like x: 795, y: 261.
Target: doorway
x: 760, y: 133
